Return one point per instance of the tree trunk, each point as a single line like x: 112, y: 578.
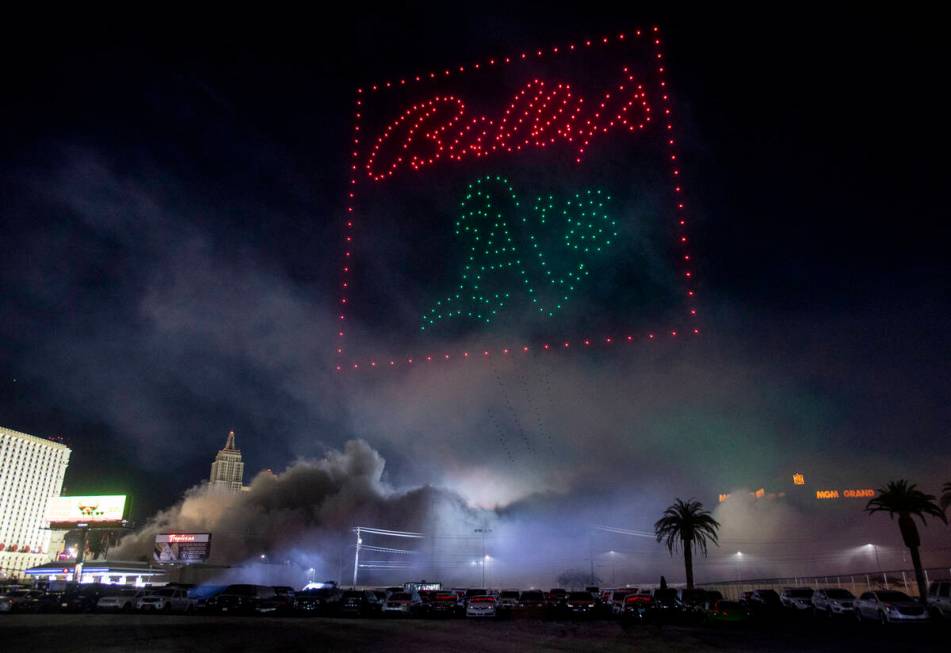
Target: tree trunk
x: 919, y: 575
x: 688, y: 564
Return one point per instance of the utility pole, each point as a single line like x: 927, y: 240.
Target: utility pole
x: 432, y: 516
x: 356, y: 556
x: 590, y: 559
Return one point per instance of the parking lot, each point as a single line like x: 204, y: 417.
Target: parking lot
x: 136, y: 632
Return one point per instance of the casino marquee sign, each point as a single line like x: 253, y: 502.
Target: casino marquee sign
x: 185, y: 548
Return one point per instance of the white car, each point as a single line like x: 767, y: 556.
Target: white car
x: 402, y: 604
x: 508, y: 600
x: 939, y: 598
x: 165, y: 599
x: 889, y: 606
x: 833, y: 601
x: 123, y: 599
x: 797, y: 598
x: 481, y: 606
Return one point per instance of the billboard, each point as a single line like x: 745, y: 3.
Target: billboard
x: 182, y: 547
x: 68, y: 512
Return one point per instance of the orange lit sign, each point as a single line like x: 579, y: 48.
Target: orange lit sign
x: 858, y: 494
x: 827, y: 494
x: 724, y: 497
x: 760, y: 493
x: 798, y: 479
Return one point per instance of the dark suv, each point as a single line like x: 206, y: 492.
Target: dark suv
x: 75, y: 598
x: 244, y: 599
x: 358, y: 603
x: 284, y: 597
x: 322, y: 601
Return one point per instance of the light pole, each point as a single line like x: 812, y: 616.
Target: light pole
x: 878, y: 563
x: 612, y: 556
x: 482, y: 531
x: 739, y: 558
x: 356, y: 555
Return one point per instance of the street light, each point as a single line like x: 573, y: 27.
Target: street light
x: 874, y: 549
x: 739, y: 557
x: 483, y: 531
x: 612, y: 555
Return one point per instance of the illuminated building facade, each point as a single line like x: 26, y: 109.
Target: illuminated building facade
x: 31, y: 473
x: 800, y: 493
x: 227, y: 471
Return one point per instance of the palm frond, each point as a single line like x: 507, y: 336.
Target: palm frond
x: 945, y: 496
x: 904, y: 498
x: 687, y: 524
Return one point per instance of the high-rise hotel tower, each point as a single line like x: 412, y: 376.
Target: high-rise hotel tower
x: 31, y: 472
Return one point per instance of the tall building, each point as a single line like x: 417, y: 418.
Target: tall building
x: 31, y: 472
x: 227, y: 472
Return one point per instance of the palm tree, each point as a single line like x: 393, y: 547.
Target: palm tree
x: 946, y: 496
x: 907, y: 501
x: 686, y: 525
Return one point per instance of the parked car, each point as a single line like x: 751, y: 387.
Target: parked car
x: 580, y: 604
x: 120, y: 600
x: 763, y: 602
x: 475, y: 591
x: 556, y: 598
x: 721, y: 611
x: 444, y: 604
x: 532, y: 600
x: 243, y: 599
x: 889, y: 606
x: 358, y: 603
x: 481, y: 606
x: 74, y: 598
x: 695, y: 602
x: 615, y: 601
x: 508, y: 600
x: 165, y: 599
x: 939, y: 599
x: 379, y: 600
x: 833, y: 601
x: 201, y: 594
x: 284, y: 598
x: 322, y: 601
x: 635, y: 607
x: 402, y: 604
x: 797, y: 598
x: 665, y: 607
x: 21, y: 600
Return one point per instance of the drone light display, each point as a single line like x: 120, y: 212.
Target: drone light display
x: 528, y: 203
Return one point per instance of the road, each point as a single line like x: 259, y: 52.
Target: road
x: 103, y: 633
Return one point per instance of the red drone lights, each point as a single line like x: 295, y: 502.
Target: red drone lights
x: 409, y: 127
x: 538, y: 116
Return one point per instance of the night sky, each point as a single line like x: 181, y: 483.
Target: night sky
x: 171, y: 203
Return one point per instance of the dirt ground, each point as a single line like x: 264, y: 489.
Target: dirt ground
x: 113, y: 633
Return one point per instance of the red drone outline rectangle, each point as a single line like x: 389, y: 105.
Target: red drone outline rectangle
x: 621, y: 336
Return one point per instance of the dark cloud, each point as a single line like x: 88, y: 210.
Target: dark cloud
x: 169, y: 269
